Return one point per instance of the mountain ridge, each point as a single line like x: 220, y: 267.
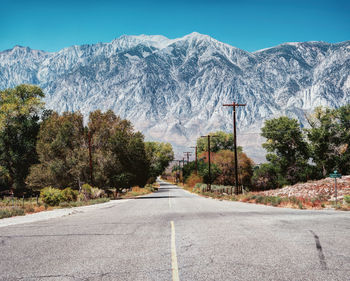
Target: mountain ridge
x: 173, y: 89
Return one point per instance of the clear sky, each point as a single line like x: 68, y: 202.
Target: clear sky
x: 247, y: 24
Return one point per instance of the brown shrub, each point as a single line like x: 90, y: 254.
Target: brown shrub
x: 193, y: 179
x: 39, y: 209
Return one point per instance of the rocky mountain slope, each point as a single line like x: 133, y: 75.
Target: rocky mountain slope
x: 173, y: 89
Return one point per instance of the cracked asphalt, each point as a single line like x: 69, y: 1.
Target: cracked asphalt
x: 214, y: 240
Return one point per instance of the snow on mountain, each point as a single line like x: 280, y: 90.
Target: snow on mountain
x: 173, y: 89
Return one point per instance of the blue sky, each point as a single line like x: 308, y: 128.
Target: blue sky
x: 250, y: 25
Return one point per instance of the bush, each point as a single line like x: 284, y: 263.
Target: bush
x: 65, y: 204
x: 6, y: 213
x: 266, y: 177
x: 51, y: 196
x: 347, y: 199
x: 149, y: 188
x: 86, y: 189
x: 29, y: 208
x: 193, y: 180
x: 97, y: 193
x: 81, y: 197
x: 69, y: 194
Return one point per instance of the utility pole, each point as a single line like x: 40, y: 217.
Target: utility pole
x: 209, y: 174
x: 234, y: 105
x: 188, y: 156
x: 177, y: 170
x: 90, y: 158
x: 195, y: 147
x: 183, y: 165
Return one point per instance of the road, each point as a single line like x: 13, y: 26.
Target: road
x: 175, y: 235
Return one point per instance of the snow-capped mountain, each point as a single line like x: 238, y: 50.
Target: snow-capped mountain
x: 173, y: 89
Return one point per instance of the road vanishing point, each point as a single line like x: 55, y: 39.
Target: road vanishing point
x: 174, y: 235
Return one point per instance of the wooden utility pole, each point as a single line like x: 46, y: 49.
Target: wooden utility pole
x: 196, y: 157
x: 183, y: 165
x: 234, y: 105
x: 209, y: 164
x: 90, y: 159
x: 177, y: 170
x: 188, y: 156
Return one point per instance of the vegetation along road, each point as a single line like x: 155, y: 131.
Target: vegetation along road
x: 175, y: 235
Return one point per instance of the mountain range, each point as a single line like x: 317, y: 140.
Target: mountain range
x: 173, y: 89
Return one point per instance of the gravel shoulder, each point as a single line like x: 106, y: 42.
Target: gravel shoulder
x: 56, y: 213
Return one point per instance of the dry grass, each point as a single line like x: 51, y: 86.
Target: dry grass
x: 139, y: 191
x: 14, y: 207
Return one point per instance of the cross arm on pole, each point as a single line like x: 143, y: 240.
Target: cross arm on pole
x: 234, y: 104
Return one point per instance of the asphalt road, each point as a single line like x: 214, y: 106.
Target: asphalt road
x: 175, y: 235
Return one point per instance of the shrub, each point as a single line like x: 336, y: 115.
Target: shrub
x: 276, y: 201
x: 259, y: 199
x: 6, y: 213
x: 99, y: 200
x: 77, y: 203
x: 29, y: 208
x: 69, y: 194
x: 149, y: 188
x: 97, y: 193
x: 265, y: 177
x: 81, y: 197
x: 193, y: 180
x: 86, y: 189
x: 65, y: 204
x: 51, y: 196
x: 347, y: 199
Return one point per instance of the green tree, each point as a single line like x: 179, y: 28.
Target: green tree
x: 221, y: 141
x: 343, y: 144
x: 63, y: 152
x: 119, y: 154
x: 267, y: 177
x: 329, y: 137
x: 287, y: 148
x: 19, y: 126
x: 159, y: 156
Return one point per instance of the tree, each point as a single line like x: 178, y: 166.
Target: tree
x: 203, y: 171
x: 159, y: 156
x: 329, y: 137
x: 266, y: 177
x: 221, y: 141
x: 19, y: 126
x: 288, y: 150
x: 63, y: 152
x: 119, y: 154
x: 225, y: 161
x: 343, y: 144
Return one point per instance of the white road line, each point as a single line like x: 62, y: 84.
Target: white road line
x: 174, y: 267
